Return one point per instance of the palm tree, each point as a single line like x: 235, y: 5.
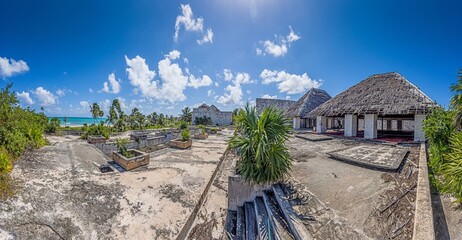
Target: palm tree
x: 186, y: 115
x: 96, y: 111
x: 260, y: 143
x: 65, y: 121
x: 456, y: 100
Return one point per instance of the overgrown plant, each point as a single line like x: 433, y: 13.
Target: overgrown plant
x: 203, y: 131
x: 185, y: 135
x: 452, y: 168
x: 260, y: 144
x: 122, y: 147
x: 96, y: 130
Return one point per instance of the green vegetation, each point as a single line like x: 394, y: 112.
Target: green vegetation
x: 183, y: 125
x: 202, y: 128
x: 20, y: 129
x: 121, y: 145
x: 186, y: 115
x: 260, y: 143
x: 95, y: 130
x: 185, y: 134
x: 53, y: 125
x: 442, y: 129
x: 203, y: 120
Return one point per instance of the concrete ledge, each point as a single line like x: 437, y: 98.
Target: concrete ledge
x: 313, y: 137
x: 423, y: 218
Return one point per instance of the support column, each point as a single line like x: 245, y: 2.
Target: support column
x: 296, y: 122
x: 351, y: 125
x: 321, y: 124
x: 399, y: 125
x: 389, y: 125
x: 370, y: 126
x: 419, y: 135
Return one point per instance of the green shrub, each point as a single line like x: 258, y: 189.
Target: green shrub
x: 122, y: 147
x: 203, y: 120
x: 53, y: 125
x: 185, y: 135
x: 260, y: 144
x: 184, y: 125
x: 451, y: 169
x: 5, y: 162
x: 96, y: 130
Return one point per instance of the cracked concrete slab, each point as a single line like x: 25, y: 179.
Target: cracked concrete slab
x: 376, y: 156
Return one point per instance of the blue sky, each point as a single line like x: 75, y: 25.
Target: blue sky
x: 64, y: 55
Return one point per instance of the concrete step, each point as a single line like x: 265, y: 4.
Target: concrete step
x: 279, y: 225
x: 240, y: 223
x: 296, y: 226
x: 250, y: 221
x: 264, y: 226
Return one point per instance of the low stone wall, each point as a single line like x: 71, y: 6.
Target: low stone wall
x: 162, y: 138
x: 423, y: 219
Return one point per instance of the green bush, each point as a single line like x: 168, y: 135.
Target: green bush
x: 53, y: 125
x: 451, y: 169
x: 184, y: 125
x: 185, y: 135
x: 122, y: 147
x: 5, y: 162
x: 260, y: 143
x: 95, y: 130
x: 203, y: 120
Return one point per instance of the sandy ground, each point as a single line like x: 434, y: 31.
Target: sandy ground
x: 62, y: 195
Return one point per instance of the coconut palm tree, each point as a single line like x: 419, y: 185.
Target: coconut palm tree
x: 186, y: 115
x: 456, y: 100
x: 260, y: 143
x: 96, y: 111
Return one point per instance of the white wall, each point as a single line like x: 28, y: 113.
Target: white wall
x: 419, y: 134
x: 321, y: 124
x: 370, y: 126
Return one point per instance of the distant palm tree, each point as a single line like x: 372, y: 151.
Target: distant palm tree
x: 65, y: 121
x: 186, y: 115
x: 260, y: 143
x: 456, y: 100
x: 96, y: 111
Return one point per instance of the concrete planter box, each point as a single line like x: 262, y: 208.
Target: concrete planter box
x: 138, y: 136
x: 138, y: 160
x: 179, y: 143
x: 96, y: 139
x: 201, y: 136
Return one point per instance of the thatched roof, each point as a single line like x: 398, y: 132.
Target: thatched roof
x: 205, y: 107
x: 281, y: 104
x: 383, y: 94
x: 312, y: 99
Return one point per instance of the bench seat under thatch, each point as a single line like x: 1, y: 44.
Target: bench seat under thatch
x: 382, y: 94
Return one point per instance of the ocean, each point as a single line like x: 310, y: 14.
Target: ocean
x: 78, y: 121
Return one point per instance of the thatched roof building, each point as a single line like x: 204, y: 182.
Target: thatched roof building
x: 382, y: 94
x: 312, y: 99
x: 281, y: 104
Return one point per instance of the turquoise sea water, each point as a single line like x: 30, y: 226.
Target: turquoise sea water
x: 78, y: 121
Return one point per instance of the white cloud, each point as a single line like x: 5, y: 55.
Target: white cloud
x: 280, y: 46
x: 188, y: 21
x: 234, y: 95
x: 210, y: 93
x: 25, y: 97
x: 186, y: 60
x: 60, y: 92
x: 234, y: 90
x: 10, y: 67
x: 91, y: 90
x: 199, y: 82
x: 289, y: 83
x: 173, y: 55
x: 112, y: 84
x: 173, y: 81
x: 292, y: 37
x: 84, y: 104
x: 269, y: 96
x: 208, y: 37
x: 45, y: 97
x: 288, y: 97
x: 259, y: 51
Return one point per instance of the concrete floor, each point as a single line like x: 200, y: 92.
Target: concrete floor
x: 350, y: 191
x: 61, y: 193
